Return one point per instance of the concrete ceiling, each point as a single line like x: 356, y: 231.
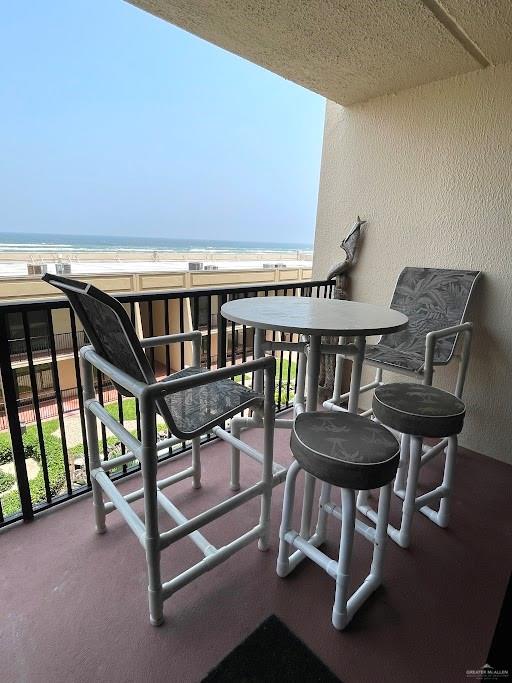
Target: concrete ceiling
x: 488, y: 23
x: 351, y: 50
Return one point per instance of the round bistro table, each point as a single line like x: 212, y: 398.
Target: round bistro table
x: 316, y: 318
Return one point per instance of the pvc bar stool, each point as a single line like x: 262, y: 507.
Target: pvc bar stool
x: 350, y: 452
x: 419, y: 411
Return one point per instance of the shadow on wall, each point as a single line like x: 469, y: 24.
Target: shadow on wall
x: 492, y: 353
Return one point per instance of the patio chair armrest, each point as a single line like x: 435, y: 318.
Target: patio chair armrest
x: 194, y: 336
x: 112, y: 372
x: 164, y: 340
x: 448, y: 331
x: 430, y: 341
x: 171, y: 386
x: 432, y: 337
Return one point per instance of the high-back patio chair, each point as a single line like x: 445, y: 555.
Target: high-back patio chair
x: 193, y: 402
x: 435, y: 300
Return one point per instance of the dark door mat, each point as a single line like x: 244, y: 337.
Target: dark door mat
x: 271, y: 654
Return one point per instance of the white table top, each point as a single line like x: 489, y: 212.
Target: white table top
x: 307, y: 315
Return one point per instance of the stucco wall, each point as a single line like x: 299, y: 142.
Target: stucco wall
x: 431, y: 170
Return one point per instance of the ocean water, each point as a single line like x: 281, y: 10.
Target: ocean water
x: 12, y: 242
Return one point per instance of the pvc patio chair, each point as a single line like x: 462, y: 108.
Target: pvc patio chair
x: 435, y: 300
x: 193, y: 402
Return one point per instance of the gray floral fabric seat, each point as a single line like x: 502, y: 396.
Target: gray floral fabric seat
x: 432, y: 299
x: 344, y: 449
x: 418, y: 409
x: 395, y: 358
x: 196, y: 409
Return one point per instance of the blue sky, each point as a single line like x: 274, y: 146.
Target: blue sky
x: 114, y: 122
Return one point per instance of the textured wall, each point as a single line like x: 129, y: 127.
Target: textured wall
x: 431, y: 170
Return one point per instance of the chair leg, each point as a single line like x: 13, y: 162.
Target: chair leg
x: 338, y: 378
x: 152, y: 536
x: 381, y: 534
x: 91, y: 429
x: 363, y: 499
x: 235, y: 457
x: 347, y: 609
x: 283, y: 561
x: 196, y: 462
x: 156, y: 605
x: 409, y: 507
x: 405, y: 445
x: 321, y: 526
x: 348, y: 511
x: 300, y: 391
x: 307, y: 505
x: 100, y: 516
x: 268, y: 459
x: 443, y: 516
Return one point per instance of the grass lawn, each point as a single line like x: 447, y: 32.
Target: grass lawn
x: 280, y: 394
x: 54, y: 457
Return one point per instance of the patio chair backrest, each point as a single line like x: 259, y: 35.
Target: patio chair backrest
x: 108, y: 327
x: 432, y: 299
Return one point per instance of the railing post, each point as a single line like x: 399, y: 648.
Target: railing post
x: 221, y: 333
x: 11, y: 409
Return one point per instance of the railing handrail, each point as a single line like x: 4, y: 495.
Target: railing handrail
x: 41, y: 344
x: 46, y: 336
x: 179, y: 293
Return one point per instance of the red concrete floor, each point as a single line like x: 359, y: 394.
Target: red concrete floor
x: 73, y: 604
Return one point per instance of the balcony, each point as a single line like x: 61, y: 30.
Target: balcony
x: 68, y: 586
x: 416, y: 138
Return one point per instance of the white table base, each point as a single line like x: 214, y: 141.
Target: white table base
x: 308, y: 374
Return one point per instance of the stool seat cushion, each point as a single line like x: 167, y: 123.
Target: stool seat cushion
x: 418, y: 409
x: 345, y: 450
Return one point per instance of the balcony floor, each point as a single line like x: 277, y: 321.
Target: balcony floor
x: 74, y: 603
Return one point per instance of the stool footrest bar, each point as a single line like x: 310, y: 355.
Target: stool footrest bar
x: 175, y: 513
x: 432, y: 451
x: 367, y: 531
x: 369, y: 586
x: 296, y: 558
x: 203, y: 518
x: 334, y: 407
x: 170, y: 587
x: 435, y: 494
x: 309, y: 550
x: 130, y: 517
x: 433, y: 515
x: 161, y: 484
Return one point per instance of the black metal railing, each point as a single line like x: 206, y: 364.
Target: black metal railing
x: 48, y: 404
x: 47, y: 424
x: 40, y: 345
